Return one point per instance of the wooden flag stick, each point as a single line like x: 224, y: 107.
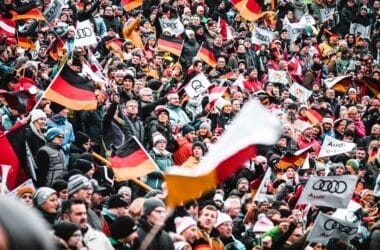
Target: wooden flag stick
x: 108, y: 164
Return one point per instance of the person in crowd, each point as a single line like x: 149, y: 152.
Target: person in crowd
x: 45, y: 200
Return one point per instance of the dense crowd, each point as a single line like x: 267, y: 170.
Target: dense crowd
x: 140, y: 93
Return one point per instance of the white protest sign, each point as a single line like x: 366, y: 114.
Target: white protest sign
x: 300, y: 92
x: 85, y: 35
x: 307, y: 20
x: 175, y: 25
x: 261, y: 192
x: 262, y: 36
x: 329, y: 191
x: 53, y: 10
x: 365, y: 31
x: 197, y: 85
x: 348, y: 214
x: 277, y: 76
x: 332, y: 146
x: 330, y: 82
x: 327, y: 14
x: 295, y: 29
x: 326, y: 227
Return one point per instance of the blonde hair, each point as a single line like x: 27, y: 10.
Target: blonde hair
x: 136, y: 207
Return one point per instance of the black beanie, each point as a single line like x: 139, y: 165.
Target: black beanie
x: 151, y: 204
x: 122, y: 227
x: 83, y: 165
x: 65, y: 230
x: 56, y: 108
x: 187, y: 129
x: 199, y: 144
x: 59, y: 185
x: 81, y: 138
x: 87, y: 156
x: 116, y: 201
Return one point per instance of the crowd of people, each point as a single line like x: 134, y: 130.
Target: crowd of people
x: 140, y: 94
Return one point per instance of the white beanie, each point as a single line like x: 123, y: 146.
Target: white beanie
x: 158, y: 137
x: 37, y: 114
x: 222, y: 217
x: 183, y: 223
x: 263, y: 224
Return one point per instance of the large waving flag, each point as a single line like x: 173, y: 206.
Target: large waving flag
x: 31, y: 14
x: 170, y: 44
x: 206, y: 54
x: 7, y: 27
x: 131, y: 161
x: 131, y: 4
x: 72, y: 90
x: 236, y: 146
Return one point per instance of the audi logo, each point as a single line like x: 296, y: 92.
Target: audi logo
x: 331, y: 186
x: 197, y: 86
x: 334, y: 225
x: 83, y: 33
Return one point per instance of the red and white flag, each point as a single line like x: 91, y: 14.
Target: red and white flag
x: 224, y: 30
x: 7, y: 27
x: 215, y: 93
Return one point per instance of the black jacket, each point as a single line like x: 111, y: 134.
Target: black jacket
x: 161, y: 241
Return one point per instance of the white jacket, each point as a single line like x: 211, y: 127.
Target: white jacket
x: 96, y: 240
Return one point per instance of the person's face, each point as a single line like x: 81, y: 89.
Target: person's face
x: 58, y: 140
x: 163, y: 117
x: 197, y: 152
x: 190, y: 234
x: 207, y: 219
x: 74, y: 239
x: 84, y: 194
x: 327, y: 126
x: 221, y: 63
x: 340, y: 170
x: 360, y: 154
x: 308, y: 132
x: 174, y: 100
x: 290, y: 173
x: 87, y: 145
x: 282, y: 143
x: 225, y: 229
x: 297, y: 233
x: 40, y: 123
x: 51, y: 204
x: 127, y: 84
x: 63, y: 194
x: 161, y: 145
x: 132, y: 108
x: 227, y: 108
x: 78, y: 215
x: 375, y: 130
x: 243, y: 186
x: 236, y: 106
x: 157, y: 216
x: 26, y: 198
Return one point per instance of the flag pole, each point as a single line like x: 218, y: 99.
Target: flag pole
x: 108, y: 164
x: 146, y: 152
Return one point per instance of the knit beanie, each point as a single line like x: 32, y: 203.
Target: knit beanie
x: 52, y: 133
x: 187, y: 129
x: 199, y: 144
x: 183, y: 223
x: 157, y: 137
x: 25, y: 189
x: 159, y: 109
x: 122, y: 227
x: 116, y: 201
x: 41, y: 195
x: 56, y: 108
x: 151, y: 204
x: 83, y: 165
x: 152, y: 193
x: 205, y: 125
x: 81, y: 138
x: 64, y: 229
x: 59, y: 185
x: 222, y: 217
x: 354, y: 164
x: 37, y: 114
x: 78, y: 182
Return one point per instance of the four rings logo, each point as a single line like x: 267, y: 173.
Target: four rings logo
x: 334, y: 225
x: 197, y: 86
x: 83, y: 33
x: 331, y: 186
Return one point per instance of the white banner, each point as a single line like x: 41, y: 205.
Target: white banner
x: 295, y: 29
x: 365, y: 31
x: 327, y: 13
x: 307, y: 20
x: 348, y: 214
x: 330, y: 82
x: 329, y: 191
x: 53, y: 11
x: 197, y: 85
x: 262, y: 36
x: 332, y: 146
x: 261, y: 193
x: 300, y: 92
x: 175, y: 25
x: 85, y: 35
x: 87, y: 70
x: 326, y: 227
x: 277, y: 76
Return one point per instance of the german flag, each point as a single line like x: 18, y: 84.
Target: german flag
x: 72, y: 90
x: 170, y: 44
x: 289, y: 160
x: 13, y: 153
x: 115, y: 43
x: 31, y: 14
x: 207, y: 55
x: 56, y: 48
x: 372, y: 84
x: 131, y: 161
x: 313, y: 116
x: 131, y: 4
x: 25, y: 42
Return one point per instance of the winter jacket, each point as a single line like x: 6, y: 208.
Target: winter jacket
x: 161, y: 241
x: 94, y: 239
x: 164, y: 161
x: 34, y: 139
x: 183, y: 152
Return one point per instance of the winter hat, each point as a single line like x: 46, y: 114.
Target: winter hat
x: 87, y: 156
x: 241, y: 179
x: 56, y: 108
x: 25, y: 189
x: 328, y: 120
x: 218, y: 197
x: 116, y: 201
x: 183, y: 223
x: 41, y: 195
x: 354, y: 164
x: 187, y: 129
x: 319, y: 166
x: 199, y: 144
x: 125, y: 189
x: 306, y: 126
x: 222, y: 217
x: 37, y: 114
x: 59, y: 185
x: 189, y: 33
x: 159, y: 109
x: 158, y: 137
x: 151, y: 204
x: 337, y: 165
x: 152, y: 193
x: 263, y: 224
x: 52, y: 133
x: 65, y: 230
x: 122, y: 227
x: 83, y: 165
x: 77, y: 182
x: 81, y: 138
x: 180, y: 245
x: 205, y: 125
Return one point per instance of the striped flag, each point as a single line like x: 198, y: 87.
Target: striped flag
x: 224, y: 158
x: 25, y: 42
x: 224, y: 29
x: 131, y: 161
x: 215, y: 93
x: 206, y: 54
x: 31, y: 14
x: 7, y: 27
x: 115, y: 43
x: 296, y: 159
x: 129, y: 5
x: 72, y: 90
x: 170, y: 44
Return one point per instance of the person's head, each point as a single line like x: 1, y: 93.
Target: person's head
x: 25, y: 194
x: 80, y: 188
x: 146, y: 94
x: 297, y: 233
x: 327, y: 123
x: 307, y: 131
x: 162, y: 114
x: 173, y: 99
x: 38, y: 118
x: 69, y: 232
x: 242, y: 185
x: 118, y: 205
x: 124, y: 229
x: 46, y: 199
x: 60, y: 186
x: 224, y: 225
x: 188, y: 132
x: 83, y: 141
x: 59, y: 109
x: 187, y: 228
x: 55, y: 136
x: 198, y: 149
x: 132, y: 108
x: 207, y: 217
x: 75, y: 210
x: 339, y: 168
x: 232, y: 206
x: 86, y: 167
x: 154, y: 210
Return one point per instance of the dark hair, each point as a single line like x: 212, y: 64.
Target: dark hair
x: 67, y: 205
